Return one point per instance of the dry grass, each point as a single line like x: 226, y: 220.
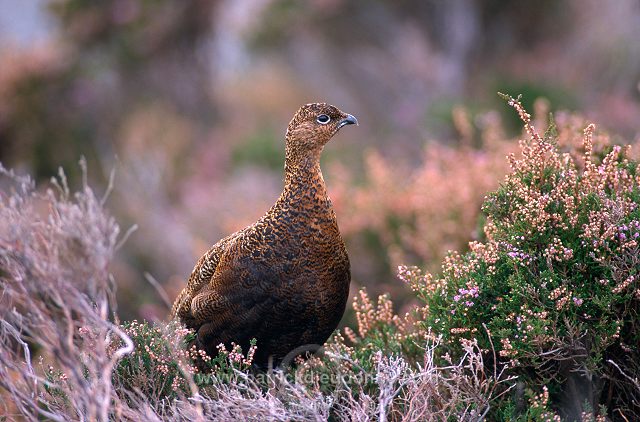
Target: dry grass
x: 55, y: 248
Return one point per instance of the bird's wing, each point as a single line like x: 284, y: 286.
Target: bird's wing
x: 232, y: 307
x: 200, y: 277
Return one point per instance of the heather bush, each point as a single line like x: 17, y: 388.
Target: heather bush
x: 154, y: 368
x: 553, y: 288
x: 388, y: 369
x: 165, y: 364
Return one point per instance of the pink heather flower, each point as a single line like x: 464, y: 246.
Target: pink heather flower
x: 577, y: 301
x: 456, y: 298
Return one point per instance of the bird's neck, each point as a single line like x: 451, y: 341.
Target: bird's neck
x: 302, y: 168
x: 302, y: 176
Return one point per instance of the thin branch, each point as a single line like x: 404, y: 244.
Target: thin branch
x: 162, y: 292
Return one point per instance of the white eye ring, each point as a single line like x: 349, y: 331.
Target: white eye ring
x: 323, y: 119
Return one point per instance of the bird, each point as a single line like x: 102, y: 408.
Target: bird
x: 284, y: 280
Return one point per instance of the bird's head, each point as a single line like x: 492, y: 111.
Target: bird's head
x: 314, y: 125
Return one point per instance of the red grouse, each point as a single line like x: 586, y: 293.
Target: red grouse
x: 285, y: 279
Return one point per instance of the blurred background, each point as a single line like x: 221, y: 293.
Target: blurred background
x: 189, y: 100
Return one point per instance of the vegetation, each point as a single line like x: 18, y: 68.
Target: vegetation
x: 538, y: 321
x: 552, y: 290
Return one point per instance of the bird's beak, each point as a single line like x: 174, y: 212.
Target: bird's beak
x: 349, y: 120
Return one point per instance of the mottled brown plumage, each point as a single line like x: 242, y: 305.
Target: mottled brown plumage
x: 285, y: 279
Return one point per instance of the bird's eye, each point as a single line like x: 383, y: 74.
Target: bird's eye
x: 323, y: 119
